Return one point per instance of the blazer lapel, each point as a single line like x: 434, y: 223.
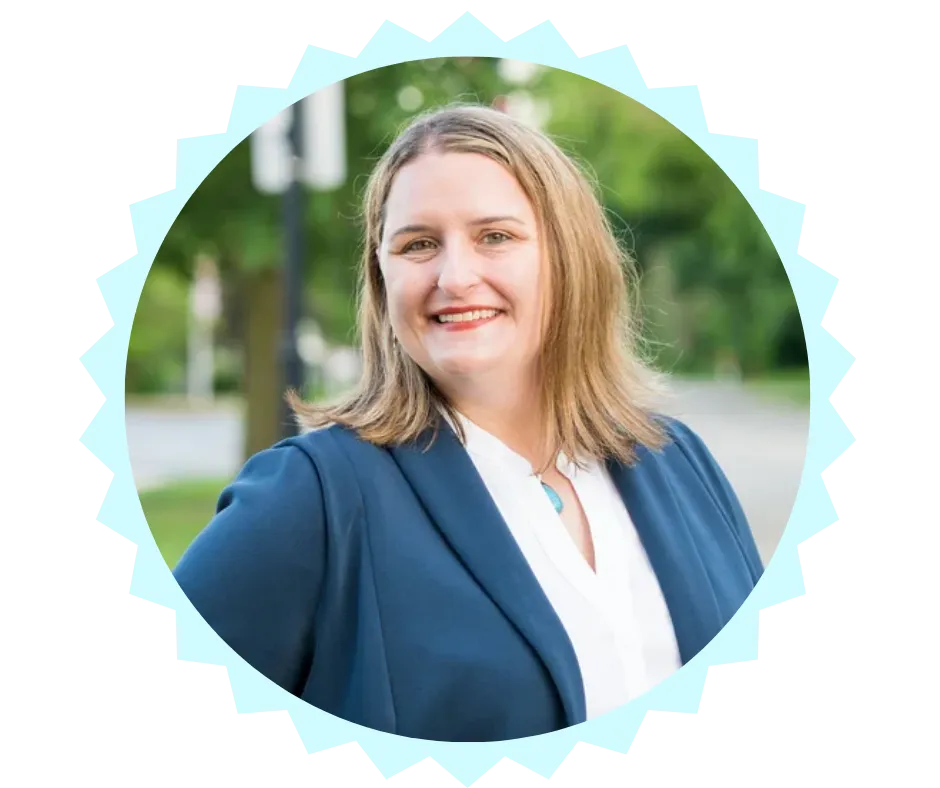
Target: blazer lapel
x: 650, y: 496
x: 448, y: 485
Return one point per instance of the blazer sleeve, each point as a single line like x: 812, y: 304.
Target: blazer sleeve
x: 715, y: 480
x: 255, y: 572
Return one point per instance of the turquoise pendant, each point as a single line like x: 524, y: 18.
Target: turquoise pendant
x: 554, y: 497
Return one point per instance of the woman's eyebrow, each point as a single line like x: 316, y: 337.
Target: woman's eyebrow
x: 424, y: 228
x: 411, y: 228
x: 496, y: 219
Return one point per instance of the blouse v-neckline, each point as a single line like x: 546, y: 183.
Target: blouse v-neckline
x: 547, y: 526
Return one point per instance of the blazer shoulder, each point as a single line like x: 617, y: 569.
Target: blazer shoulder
x: 276, y: 499
x: 327, y: 443
x: 340, y: 454
x: 681, y: 437
x: 256, y: 571
x: 686, y: 453
x: 285, y: 470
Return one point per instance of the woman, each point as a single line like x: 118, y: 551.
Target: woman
x: 493, y: 537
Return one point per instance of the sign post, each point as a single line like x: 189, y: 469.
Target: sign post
x: 305, y: 145
x: 293, y: 375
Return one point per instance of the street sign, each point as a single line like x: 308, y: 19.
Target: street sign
x: 270, y: 155
x: 324, y: 133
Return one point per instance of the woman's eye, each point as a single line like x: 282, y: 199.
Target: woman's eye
x: 421, y: 245
x: 495, y: 237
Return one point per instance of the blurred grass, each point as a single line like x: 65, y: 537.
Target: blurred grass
x: 179, y: 511
x: 180, y: 402
x: 790, y: 385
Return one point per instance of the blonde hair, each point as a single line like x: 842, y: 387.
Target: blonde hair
x: 595, y: 386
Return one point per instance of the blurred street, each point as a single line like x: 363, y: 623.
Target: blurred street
x: 760, y: 444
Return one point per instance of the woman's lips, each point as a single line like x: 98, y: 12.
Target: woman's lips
x: 465, y: 324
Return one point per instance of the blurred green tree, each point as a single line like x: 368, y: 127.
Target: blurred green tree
x: 227, y: 218
x: 726, y: 293
x: 156, y: 359
x: 713, y: 284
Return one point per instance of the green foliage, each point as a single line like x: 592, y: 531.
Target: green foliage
x: 156, y: 354
x: 727, y: 291
x: 713, y: 284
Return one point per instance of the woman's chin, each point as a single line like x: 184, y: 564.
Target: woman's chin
x: 462, y: 367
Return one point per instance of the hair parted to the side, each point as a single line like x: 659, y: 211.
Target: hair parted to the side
x: 596, y: 387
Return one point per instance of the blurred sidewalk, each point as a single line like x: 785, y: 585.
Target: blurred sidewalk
x: 760, y: 445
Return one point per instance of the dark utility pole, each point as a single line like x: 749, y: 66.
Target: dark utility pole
x: 293, y: 370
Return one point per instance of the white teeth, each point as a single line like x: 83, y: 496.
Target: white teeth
x: 460, y: 317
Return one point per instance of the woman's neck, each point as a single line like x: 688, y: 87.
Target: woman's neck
x: 511, y: 414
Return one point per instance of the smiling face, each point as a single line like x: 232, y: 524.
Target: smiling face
x: 461, y: 259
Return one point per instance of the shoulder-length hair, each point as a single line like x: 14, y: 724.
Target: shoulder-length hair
x: 595, y: 386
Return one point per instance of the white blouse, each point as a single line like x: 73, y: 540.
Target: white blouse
x: 615, y: 617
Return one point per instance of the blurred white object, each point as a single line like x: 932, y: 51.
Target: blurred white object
x: 410, y: 98
x: 205, y: 306
x: 324, y: 138
x: 205, y: 295
x: 311, y: 345
x: 323, y: 129
x: 270, y: 155
x: 517, y: 72
x: 342, y: 368
x: 521, y: 105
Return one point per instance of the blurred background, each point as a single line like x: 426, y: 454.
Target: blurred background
x: 253, y: 288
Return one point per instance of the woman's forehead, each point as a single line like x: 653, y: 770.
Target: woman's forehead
x: 468, y: 185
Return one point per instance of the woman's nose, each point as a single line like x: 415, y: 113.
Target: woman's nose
x: 457, y: 271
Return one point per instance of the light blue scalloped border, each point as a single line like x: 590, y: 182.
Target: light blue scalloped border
x: 152, y: 218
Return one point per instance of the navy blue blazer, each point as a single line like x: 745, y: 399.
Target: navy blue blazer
x: 383, y: 586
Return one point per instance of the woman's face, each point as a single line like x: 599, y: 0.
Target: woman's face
x: 462, y: 262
